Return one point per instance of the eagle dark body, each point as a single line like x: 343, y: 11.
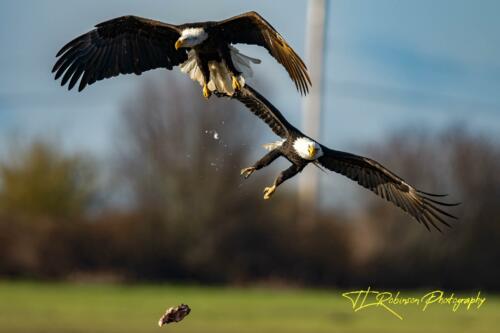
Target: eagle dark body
x: 368, y: 173
x: 287, y: 151
x: 214, y: 48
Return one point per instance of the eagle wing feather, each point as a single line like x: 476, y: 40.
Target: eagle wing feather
x: 263, y: 109
x: 124, y: 45
x: 251, y: 28
x: 384, y: 183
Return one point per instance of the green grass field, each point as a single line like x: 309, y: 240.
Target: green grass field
x: 47, y: 307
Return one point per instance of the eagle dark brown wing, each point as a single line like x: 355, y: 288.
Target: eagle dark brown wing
x: 251, y: 28
x: 373, y: 176
x: 124, y: 45
x: 261, y: 107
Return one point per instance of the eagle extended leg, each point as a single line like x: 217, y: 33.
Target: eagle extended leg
x: 284, y: 175
x: 232, y: 69
x: 263, y: 162
x: 205, y: 71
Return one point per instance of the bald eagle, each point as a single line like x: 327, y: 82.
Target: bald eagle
x: 301, y: 150
x: 131, y: 44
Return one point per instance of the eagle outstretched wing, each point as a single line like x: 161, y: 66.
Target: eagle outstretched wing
x: 375, y: 177
x: 263, y: 109
x: 251, y: 28
x: 124, y: 45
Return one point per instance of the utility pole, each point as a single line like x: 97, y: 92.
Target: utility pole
x: 311, y: 114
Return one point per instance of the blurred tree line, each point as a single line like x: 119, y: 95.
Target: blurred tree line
x: 187, y: 215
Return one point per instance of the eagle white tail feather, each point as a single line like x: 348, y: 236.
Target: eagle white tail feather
x: 220, y: 78
x: 273, y: 145
x: 242, y: 61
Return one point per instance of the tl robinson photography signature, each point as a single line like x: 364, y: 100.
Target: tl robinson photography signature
x: 362, y: 299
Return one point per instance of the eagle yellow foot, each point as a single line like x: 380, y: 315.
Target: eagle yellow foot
x: 206, y: 92
x: 268, y: 191
x: 236, y: 83
x: 247, y: 172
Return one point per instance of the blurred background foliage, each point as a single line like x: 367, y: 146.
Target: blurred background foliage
x: 172, y: 206
x: 40, y: 181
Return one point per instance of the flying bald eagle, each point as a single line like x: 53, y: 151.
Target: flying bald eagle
x: 131, y: 44
x: 301, y: 150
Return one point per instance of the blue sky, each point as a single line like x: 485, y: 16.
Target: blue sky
x: 389, y: 63
x: 416, y: 62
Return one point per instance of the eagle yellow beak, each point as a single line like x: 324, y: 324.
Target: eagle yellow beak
x: 312, y: 151
x: 178, y: 44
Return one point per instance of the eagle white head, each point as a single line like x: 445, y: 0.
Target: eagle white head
x: 307, y: 149
x: 191, y: 37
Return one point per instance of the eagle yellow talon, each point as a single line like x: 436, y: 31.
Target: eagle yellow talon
x: 268, y: 191
x: 236, y: 83
x: 206, y: 91
x: 247, y: 172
